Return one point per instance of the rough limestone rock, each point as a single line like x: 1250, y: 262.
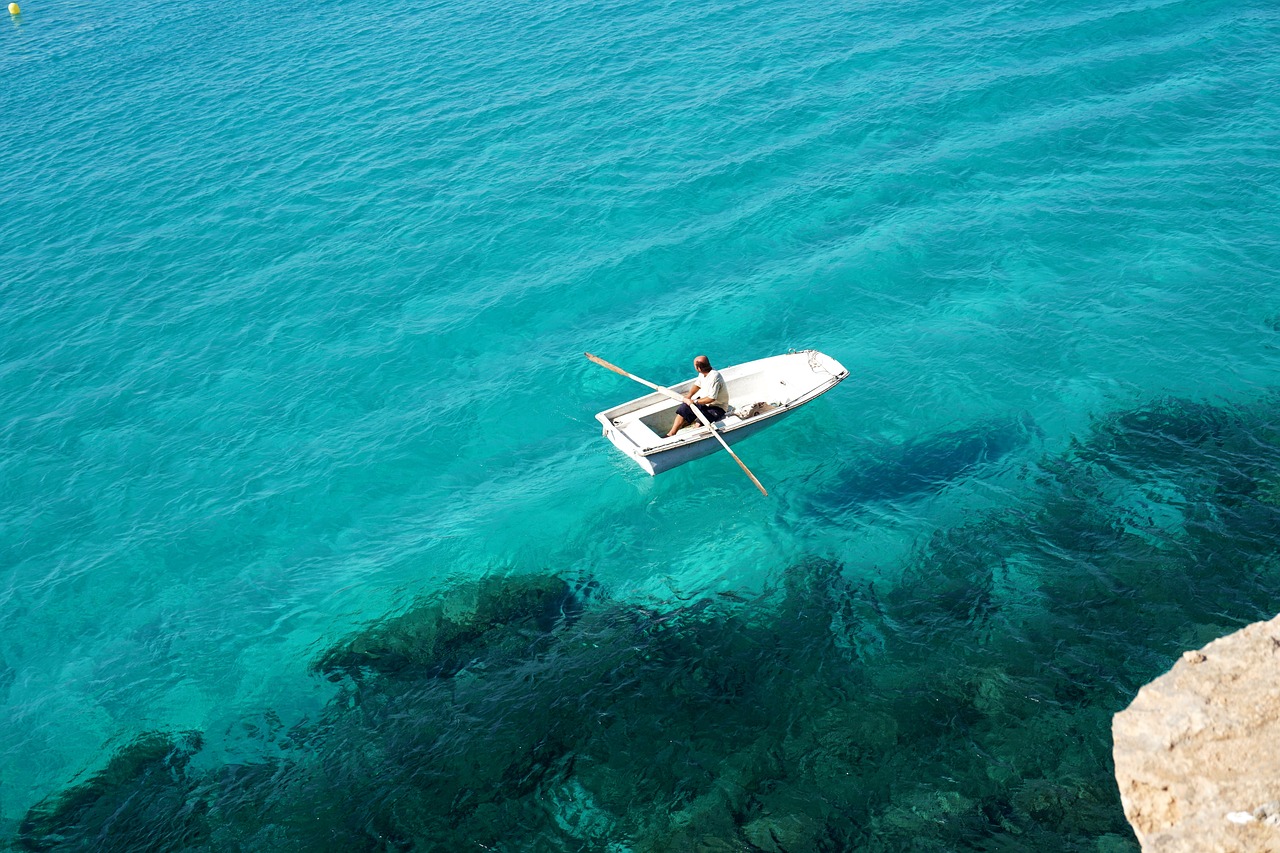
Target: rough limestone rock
x: 1198, y: 752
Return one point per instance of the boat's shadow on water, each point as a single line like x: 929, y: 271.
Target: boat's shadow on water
x: 872, y: 473
x: 967, y: 707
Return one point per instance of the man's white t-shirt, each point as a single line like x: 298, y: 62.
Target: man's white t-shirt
x: 712, y: 385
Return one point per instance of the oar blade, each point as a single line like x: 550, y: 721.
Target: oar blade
x: 720, y: 438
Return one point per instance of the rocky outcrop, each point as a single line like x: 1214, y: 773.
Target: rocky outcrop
x: 1197, y: 753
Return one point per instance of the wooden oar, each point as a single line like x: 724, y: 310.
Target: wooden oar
x: 697, y: 411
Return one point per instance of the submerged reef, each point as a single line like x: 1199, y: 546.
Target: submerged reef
x: 966, y: 706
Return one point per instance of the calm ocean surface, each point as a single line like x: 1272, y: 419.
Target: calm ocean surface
x: 308, y: 539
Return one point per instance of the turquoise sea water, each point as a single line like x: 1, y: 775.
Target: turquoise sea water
x: 293, y: 300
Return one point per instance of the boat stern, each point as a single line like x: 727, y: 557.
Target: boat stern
x: 617, y: 433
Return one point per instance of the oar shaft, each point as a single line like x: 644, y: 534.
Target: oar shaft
x: 660, y: 389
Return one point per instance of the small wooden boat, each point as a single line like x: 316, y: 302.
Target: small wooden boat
x: 761, y: 393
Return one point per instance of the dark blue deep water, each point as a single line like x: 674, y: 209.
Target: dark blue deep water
x: 309, y: 540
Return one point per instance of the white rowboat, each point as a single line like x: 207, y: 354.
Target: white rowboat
x: 761, y: 393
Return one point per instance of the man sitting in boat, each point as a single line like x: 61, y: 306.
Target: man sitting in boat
x: 708, y: 394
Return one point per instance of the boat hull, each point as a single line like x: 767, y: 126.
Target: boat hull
x: 664, y: 460
x: 637, y: 427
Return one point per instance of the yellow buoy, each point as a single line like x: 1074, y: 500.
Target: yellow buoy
x: 13, y: 9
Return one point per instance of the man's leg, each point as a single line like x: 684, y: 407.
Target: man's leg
x: 683, y: 414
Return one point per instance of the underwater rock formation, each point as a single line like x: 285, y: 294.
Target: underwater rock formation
x: 439, y: 637
x: 1197, y: 751
x: 959, y: 700
x: 143, y: 785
